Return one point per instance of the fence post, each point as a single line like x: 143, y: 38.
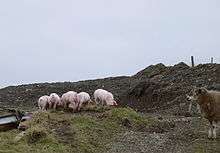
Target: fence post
x: 212, y: 60
x: 192, y: 61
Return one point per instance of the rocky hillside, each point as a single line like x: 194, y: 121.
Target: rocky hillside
x: 162, y: 87
x: 156, y: 88
x: 159, y: 91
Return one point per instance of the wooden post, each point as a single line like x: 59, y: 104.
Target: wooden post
x: 192, y: 61
x: 212, y: 61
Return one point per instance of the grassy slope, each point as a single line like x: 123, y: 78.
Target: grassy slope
x: 64, y: 132
x: 96, y: 130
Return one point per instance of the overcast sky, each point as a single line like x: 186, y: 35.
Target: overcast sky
x: 70, y: 40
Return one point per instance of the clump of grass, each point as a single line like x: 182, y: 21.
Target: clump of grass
x: 39, y: 138
x: 36, y: 134
x: 43, y: 145
x: 40, y: 118
x: 92, y: 135
x: 129, y: 117
x: 66, y: 132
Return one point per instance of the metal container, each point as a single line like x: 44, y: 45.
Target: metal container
x: 8, y: 122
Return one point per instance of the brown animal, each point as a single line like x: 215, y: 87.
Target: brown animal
x: 209, y: 102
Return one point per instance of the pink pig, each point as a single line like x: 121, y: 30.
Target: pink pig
x: 54, y: 100
x: 69, y: 97
x: 43, y: 102
x: 104, y: 97
x: 82, y: 98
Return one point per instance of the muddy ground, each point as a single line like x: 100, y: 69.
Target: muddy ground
x: 157, y: 91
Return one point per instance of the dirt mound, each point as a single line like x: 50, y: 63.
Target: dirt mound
x: 151, y: 71
x: 166, y: 87
x: 157, y: 87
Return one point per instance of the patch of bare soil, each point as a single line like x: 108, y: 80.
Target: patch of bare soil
x: 171, y: 135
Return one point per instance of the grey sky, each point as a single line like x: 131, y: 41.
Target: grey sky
x: 70, y: 40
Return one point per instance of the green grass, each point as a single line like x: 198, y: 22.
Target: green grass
x: 52, y: 132
x: 120, y: 114
x: 46, y: 145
